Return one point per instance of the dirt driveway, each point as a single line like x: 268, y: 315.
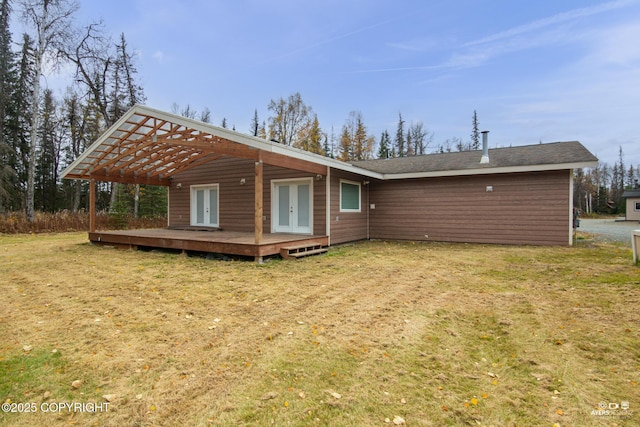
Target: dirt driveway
x: 610, y: 230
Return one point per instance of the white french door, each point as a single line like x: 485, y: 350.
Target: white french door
x: 204, y: 205
x: 292, y: 209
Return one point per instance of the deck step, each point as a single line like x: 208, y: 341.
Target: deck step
x: 295, y: 252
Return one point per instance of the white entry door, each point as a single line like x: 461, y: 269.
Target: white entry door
x: 292, y: 210
x: 204, y: 205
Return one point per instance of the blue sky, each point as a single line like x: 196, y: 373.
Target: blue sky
x: 534, y: 71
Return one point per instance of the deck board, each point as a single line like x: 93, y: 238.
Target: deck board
x: 224, y: 242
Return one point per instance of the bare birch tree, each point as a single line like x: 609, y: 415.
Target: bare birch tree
x: 108, y: 73
x: 50, y: 19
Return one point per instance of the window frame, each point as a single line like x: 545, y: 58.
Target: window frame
x: 355, y: 184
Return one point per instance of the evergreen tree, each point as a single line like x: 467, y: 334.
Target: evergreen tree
x: 125, y: 62
x: 326, y: 149
x: 330, y: 145
x: 631, y: 179
x: 475, y: 132
x: 46, y: 178
x: 400, y: 149
x: 384, y: 148
x: 72, y: 122
x: 255, y: 123
x: 17, y: 121
x: 125, y: 94
x: 618, y: 180
x: 7, y: 76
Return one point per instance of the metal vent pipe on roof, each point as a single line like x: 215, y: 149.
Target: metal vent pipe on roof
x: 485, y: 148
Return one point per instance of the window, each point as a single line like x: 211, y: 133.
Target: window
x: 637, y: 206
x: 349, y: 196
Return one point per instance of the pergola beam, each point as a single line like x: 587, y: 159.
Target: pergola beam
x: 156, y: 147
x: 129, y: 179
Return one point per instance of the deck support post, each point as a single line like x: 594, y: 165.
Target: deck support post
x: 92, y: 206
x: 258, y: 198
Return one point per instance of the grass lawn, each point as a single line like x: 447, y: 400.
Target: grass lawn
x: 374, y: 333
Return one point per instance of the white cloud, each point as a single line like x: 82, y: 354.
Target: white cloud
x: 159, y: 56
x: 559, y: 18
x: 418, y: 45
x: 618, y: 46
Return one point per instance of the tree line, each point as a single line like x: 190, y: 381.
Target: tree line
x: 600, y: 190
x: 41, y: 133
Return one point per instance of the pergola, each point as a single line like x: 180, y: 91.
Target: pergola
x: 148, y: 146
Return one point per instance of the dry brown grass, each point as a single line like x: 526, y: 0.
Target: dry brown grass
x: 438, y: 334
x: 65, y: 221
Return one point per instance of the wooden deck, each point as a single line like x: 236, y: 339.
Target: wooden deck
x: 223, y: 242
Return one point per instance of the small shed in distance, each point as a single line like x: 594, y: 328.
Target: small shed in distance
x: 633, y: 204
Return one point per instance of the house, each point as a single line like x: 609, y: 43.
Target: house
x: 236, y: 194
x: 632, y: 198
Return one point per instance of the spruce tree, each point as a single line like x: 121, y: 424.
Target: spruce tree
x: 255, y: 123
x: 7, y: 75
x: 384, y: 151
x: 17, y: 120
x: 475, y: 132
x: 46, y: 177
x: 400, y: 149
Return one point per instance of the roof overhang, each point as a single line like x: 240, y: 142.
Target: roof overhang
x: 148, y: 146
x: 491, y: 171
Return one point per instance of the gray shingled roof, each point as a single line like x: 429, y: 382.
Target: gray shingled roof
x: 555, y: 153
x: 631, y: 193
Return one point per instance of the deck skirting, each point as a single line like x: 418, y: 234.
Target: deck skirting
x: 223, y: 242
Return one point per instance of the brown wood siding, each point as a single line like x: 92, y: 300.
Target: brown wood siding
x: 236, y: 201
x: 523, y: 208
x: 347, y: 226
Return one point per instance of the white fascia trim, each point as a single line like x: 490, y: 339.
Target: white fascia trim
x: 490, y: 171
